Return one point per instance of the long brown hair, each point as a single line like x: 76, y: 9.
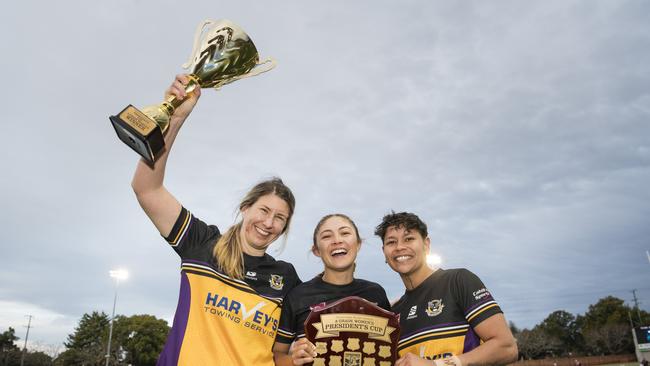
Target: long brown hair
x: 228, y: 252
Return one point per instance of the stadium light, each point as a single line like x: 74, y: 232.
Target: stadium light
x: 117, y: 274
x: 433, y: 260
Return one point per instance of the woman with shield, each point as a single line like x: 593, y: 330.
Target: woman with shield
x: 336, y: 242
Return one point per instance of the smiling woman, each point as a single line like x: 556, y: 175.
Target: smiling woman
x: 447, y: 316
x: 266, y: 211
x: 231, y: 290
x: 336, y: 243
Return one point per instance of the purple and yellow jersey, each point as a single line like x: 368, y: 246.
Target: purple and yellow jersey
x: 438, y: 317
x: 220, y: 320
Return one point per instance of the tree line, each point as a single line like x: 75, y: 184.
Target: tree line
x: 605, y: 329
x: 11, y: 354
x: 138, y: 340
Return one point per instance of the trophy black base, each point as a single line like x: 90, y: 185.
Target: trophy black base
x: 139, y: 132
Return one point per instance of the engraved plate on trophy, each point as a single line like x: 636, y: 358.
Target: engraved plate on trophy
x: 222, y: 53
x: 353, y: 332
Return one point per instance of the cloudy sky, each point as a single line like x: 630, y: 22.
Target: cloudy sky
x: 519, y: 131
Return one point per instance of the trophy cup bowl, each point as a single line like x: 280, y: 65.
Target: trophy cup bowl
x: 222, y: 53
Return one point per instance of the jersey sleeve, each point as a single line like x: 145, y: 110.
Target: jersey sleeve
x: 287, y: 329
x: 192, y: 238
x: 295, y: 279
x: 382, y: 299
x: 474, y: 298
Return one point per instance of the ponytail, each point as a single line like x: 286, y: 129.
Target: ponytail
x: 228, y: 253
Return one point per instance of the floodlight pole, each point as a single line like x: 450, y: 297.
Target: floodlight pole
x: 117, y: 275
x: 110, y: 329
x: 636, y: 305
x: 22, y: 358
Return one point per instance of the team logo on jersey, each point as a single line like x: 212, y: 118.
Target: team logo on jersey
x: 412, y: 312
x: 276, y: 282
x: 434, y: 307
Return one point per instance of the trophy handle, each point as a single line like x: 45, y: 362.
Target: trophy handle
x: 258, y: 69
x: 197, y: 40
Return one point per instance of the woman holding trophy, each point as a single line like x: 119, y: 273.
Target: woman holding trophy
x: 231, y: 290
x: 336, y: 242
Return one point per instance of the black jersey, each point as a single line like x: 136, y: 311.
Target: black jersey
x: 297, y: 305
x: 221, y: 320
x: 437, y: 318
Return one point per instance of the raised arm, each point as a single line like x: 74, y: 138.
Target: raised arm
x: 161, y: 207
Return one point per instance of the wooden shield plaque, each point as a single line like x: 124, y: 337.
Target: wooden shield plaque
x: 353, y: 332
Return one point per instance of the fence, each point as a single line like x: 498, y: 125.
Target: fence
x: 584, y: 361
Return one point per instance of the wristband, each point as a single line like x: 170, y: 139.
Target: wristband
x: 449, y: 361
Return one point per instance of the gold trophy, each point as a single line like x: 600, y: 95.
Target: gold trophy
x: 222, y: 53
